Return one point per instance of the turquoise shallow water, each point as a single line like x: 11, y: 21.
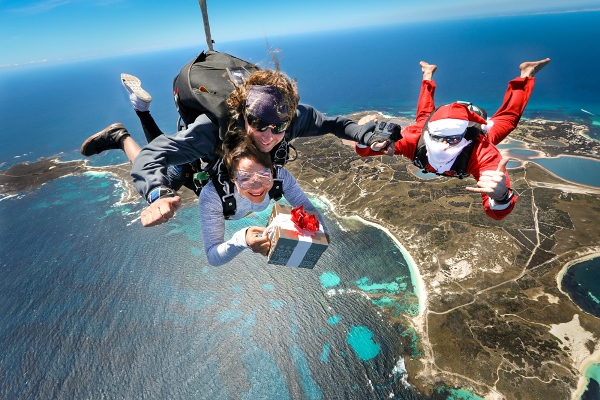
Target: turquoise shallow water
x: 101, y: 307
x: 92, y: 307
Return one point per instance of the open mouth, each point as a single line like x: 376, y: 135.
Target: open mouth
x: 259, y: 194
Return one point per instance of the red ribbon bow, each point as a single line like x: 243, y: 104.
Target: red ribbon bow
x: 304, y: 221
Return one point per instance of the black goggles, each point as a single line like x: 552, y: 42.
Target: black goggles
x: 261, y: 126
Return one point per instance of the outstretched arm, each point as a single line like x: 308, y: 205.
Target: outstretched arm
x: 379, y: 143
x: 506, y: 119
x: 310, y: 122
x: 149, y: 168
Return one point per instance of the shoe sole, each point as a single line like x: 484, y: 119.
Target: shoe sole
x: 135, y: 85
x: 94, y: 136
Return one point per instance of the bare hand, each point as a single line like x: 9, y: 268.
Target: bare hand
x: 492, y: 183
x: 367, y: 118
x: 382, y: 146
x: 256, y: 241
x: 160, y: 211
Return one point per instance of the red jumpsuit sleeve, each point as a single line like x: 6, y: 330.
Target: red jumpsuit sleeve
x: 367, y: 151
x: 486, y: 157
x: 425, y: 105
x: 509, y: 114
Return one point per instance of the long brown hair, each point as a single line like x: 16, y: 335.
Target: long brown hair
x: 265, y: 77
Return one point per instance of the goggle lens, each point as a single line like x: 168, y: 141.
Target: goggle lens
x: 451, y: 140
x: 247, y: 179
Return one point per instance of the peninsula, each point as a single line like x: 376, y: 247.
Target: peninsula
x: 494, y: 317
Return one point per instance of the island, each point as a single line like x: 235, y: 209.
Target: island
x: 492, y: 316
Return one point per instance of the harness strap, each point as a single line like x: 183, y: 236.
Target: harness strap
x: 224, y: 188
x: 280, y: 155
x: 276, y: 192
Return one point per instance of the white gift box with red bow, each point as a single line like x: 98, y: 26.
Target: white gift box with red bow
x: 290, y: 245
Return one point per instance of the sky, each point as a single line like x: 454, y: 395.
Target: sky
x: 36, y: 31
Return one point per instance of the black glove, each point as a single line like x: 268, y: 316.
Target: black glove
x: 386, y: 132
x: 366, y: 131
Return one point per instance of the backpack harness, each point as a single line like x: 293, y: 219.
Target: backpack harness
x: 202, y: 87
x: 204, y: 84
x: 459, y: 167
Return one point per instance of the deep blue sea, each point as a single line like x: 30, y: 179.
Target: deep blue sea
x: 94, y: 306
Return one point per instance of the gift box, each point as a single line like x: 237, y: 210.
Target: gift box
x: 295, y: 243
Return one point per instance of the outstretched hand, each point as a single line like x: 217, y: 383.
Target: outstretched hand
x: 258, y: 242
x: 377, y: 142
x: 160, y: 211
x: 367, y: 118
x: 492, y: 183
x: 382, y: 146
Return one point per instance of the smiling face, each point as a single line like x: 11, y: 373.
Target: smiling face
x: 253, y: 180
x: 264, y: 140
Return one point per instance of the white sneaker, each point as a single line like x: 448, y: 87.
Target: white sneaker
x: 138, y: 96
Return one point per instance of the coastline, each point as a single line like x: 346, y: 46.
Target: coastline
x: 572, y: 187
x: 593, y: 358
x: 415, y: 274
x: 417, y: 280
x: 541, y: 154
x: 427, y: 323
x: 578, y: 128
x: 419, y: 321
x: 560, y: 275
x: 571, y: 329
x: 576, y: 358
x: 582, y: 384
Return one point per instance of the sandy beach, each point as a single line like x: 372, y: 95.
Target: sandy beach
x: 573, y: 336
x: 415, y: 275
x: 576, y: 334
x: 589, y: 361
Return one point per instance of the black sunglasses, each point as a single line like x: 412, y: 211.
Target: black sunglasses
x: 451, y: 140
x: 261, y: 126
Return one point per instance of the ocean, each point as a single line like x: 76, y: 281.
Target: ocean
x: 94, y: 306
